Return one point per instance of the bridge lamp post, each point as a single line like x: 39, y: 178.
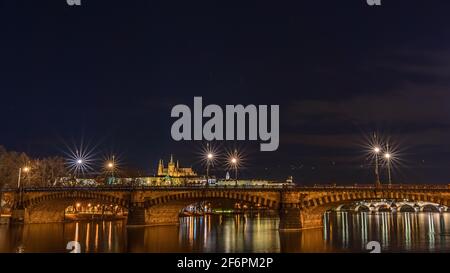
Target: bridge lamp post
x: 388, y: 156
x: 26, y: 170
x: 19, y: 186
x: 376, y: 151
x: 234, y: 163
x: 209, y: 159
x: 19, y: 180
x: 111, y: 165
x: 79, y: 165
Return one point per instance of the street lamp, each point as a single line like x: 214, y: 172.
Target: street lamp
x: 25, y: 170
x: 79, y: 165
x: 234, y: 164
x: 209, y: 159
x: 388, y: 157
x: 111, y: 166
x: 376, y: 151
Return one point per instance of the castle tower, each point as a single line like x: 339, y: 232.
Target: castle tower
x: 160, y: 167
x: 171, y: 167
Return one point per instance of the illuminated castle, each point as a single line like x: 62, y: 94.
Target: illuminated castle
x: 174, y: 170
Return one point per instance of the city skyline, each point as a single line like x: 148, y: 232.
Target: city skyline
x: 222, y: 135
x: 118, y: 86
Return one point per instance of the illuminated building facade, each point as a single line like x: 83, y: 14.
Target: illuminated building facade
x: 173, y: 169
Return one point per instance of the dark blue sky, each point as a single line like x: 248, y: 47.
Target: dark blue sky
x: 109, y: 72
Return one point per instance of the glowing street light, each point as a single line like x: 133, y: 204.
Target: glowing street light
x: 234, y: 164
x: 79, y: 160
x: 208, y: 156
x: 209, y: 159
x: 376, y: 151
x: 111, y: 166
x: 25, y: 169
x: 388, y: 157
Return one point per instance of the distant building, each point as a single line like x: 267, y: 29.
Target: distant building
x: 174, y: 170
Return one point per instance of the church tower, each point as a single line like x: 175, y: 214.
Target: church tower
x: 174, y: 170
x: 160, y: 168
x: 171, y: 167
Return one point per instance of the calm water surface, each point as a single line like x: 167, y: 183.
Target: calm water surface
x: 343, y: 232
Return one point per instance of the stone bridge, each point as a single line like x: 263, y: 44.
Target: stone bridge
x: 298, y: 207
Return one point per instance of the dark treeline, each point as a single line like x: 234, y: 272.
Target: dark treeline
x: 42, y: 172
x: 49, y: 171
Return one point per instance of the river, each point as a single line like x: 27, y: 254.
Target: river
x: 343, y: 232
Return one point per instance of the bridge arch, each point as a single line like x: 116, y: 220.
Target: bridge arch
x: 47, y: 208
x: 314, y: 204
x: 361, y: 208
x: 165, y: 209
x: 430, y: 208
x: 406, y: 208
x: 185, y: 197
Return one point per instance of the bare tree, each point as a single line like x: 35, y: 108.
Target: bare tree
x: 42, y: 172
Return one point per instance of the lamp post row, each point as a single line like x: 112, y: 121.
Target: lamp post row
x: 387, y: 156
x: 233, y: 161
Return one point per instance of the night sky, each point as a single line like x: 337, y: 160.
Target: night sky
x: 109, y: 72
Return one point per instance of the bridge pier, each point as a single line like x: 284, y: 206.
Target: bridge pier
x: 294, y: 217
x: 136, y: 216
x: 18, y: 211
x: 290, y: 218
x: 17, y: 216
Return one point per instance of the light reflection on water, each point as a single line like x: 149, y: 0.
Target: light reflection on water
x: 343, y: 232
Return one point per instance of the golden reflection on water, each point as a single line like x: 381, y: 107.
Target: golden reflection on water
x: 343, y: 232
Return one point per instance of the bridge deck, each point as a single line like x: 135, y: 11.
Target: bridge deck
x: 403, y: 187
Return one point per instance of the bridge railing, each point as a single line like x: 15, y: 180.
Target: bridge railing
x: 261, y: 187
x: 131, y: 188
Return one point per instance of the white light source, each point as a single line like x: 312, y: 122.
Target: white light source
x: 376, y: 149
x: 79, y: 159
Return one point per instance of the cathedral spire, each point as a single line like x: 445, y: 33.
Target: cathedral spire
x: 160, y: 167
